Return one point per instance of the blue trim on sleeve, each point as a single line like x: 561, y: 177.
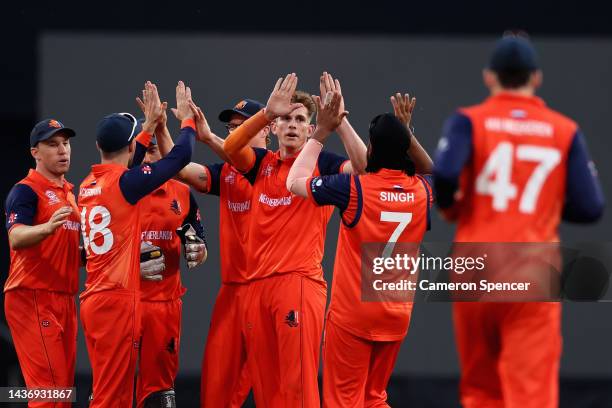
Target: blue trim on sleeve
x: 251, y: 175
x: 584, y: 199
x: 334, y: 190
x: 215, y: 171
x: 428, y: 202
x: 139, y: 154
x: 139, y: 181
x: 329, y: 163
x: 359, y: 204
x: 20, y: 206
x: 453, y: 153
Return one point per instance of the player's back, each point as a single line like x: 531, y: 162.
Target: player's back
x: 111, y: 232
x: 386, y: 209
x: 514, y: 185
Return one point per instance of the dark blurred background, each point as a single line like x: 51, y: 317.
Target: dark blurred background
x: 78, y: 63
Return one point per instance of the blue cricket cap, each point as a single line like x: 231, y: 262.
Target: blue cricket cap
x: 513, y: 53
x: 116, y: 131
x: 246, y: 108
x: 48, y: 128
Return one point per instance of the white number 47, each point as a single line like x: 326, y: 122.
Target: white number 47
x: 496, y: 175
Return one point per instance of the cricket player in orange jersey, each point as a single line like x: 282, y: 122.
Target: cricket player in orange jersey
x: 286, y: 298
x: 225, y: 381
x: 169, y: 207
x: 389, y: 204
x: 509, y: 170
x: 110, y: 202
x: 42, y: 221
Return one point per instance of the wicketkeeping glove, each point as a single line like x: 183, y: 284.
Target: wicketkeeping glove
x: 194, y: 247
x: 152, y: 262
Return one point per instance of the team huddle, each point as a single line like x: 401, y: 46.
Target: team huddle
x: 135, y: 213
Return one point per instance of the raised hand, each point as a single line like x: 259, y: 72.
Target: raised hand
x: 151, y: 106
x: 327, y: 83
x: 279, y: 102
x: 329, y: 114
x: 57, y: 219
x: 403, y: 107
x: 204, y: 134
x: 183, y: 109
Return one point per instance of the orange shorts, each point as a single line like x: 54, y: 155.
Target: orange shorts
x: 225, y: 379
x: 44, y: 328
x: 284, y: 322
x: 356, y: 371
x: 509, y: 354
x: 160, y: 335
x: 111, y: 321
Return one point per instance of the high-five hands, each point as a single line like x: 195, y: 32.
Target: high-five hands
x: 151, y: 106
x: 329, y: 115
x: 327, y: 83
x: 279, y: 102
x: 184, y: 109
x: 403, y: 107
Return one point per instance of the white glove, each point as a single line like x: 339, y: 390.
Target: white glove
x: 152, y: 262
x: 194, y: 247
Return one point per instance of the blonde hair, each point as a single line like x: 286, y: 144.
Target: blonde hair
x: 305, y: 99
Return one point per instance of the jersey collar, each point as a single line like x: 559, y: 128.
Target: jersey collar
x: 103, y: 168
x: 507, y: 96
x: 41, y: 180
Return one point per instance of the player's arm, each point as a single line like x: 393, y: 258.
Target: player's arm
x: 584, y: 199
x: 279, y: 103
x: 192, y: 235
x: 21, y: 209
x: 140, y: 181
x: 454, y: 152
x: 329, y: 116
x: 403, y: 107
x: 355, y: 148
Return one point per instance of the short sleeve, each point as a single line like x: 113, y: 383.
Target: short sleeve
x: 330, y: 163
x: 330, y: 190
x: 21, y: 205
x: 260, y: 153
x: 214, y: 178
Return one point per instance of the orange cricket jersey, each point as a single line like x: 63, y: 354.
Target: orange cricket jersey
x: 111, y: 232
x: 162, y: 212
x: 52, y: 264
x: 235, y: 193
x: 514, y: 185
x: 378, y: 206
x: 287, y: 233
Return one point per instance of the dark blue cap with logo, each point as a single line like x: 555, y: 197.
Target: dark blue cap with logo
x: 246, y: 108
x: 48, y: 128
x: 116, y: 131
x: 513, y: 53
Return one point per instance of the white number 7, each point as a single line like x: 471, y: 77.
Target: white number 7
x: 403, y: 219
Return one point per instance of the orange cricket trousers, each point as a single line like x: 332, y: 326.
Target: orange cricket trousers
x: 225, y: 379
x: 44, y: 329
x: 160, y: 336
x: 356, y: 371
x: 111, y: 322
x: 283, y: 325
x: 509, y: 354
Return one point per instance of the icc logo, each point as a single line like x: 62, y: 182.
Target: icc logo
x: 53, y: 199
